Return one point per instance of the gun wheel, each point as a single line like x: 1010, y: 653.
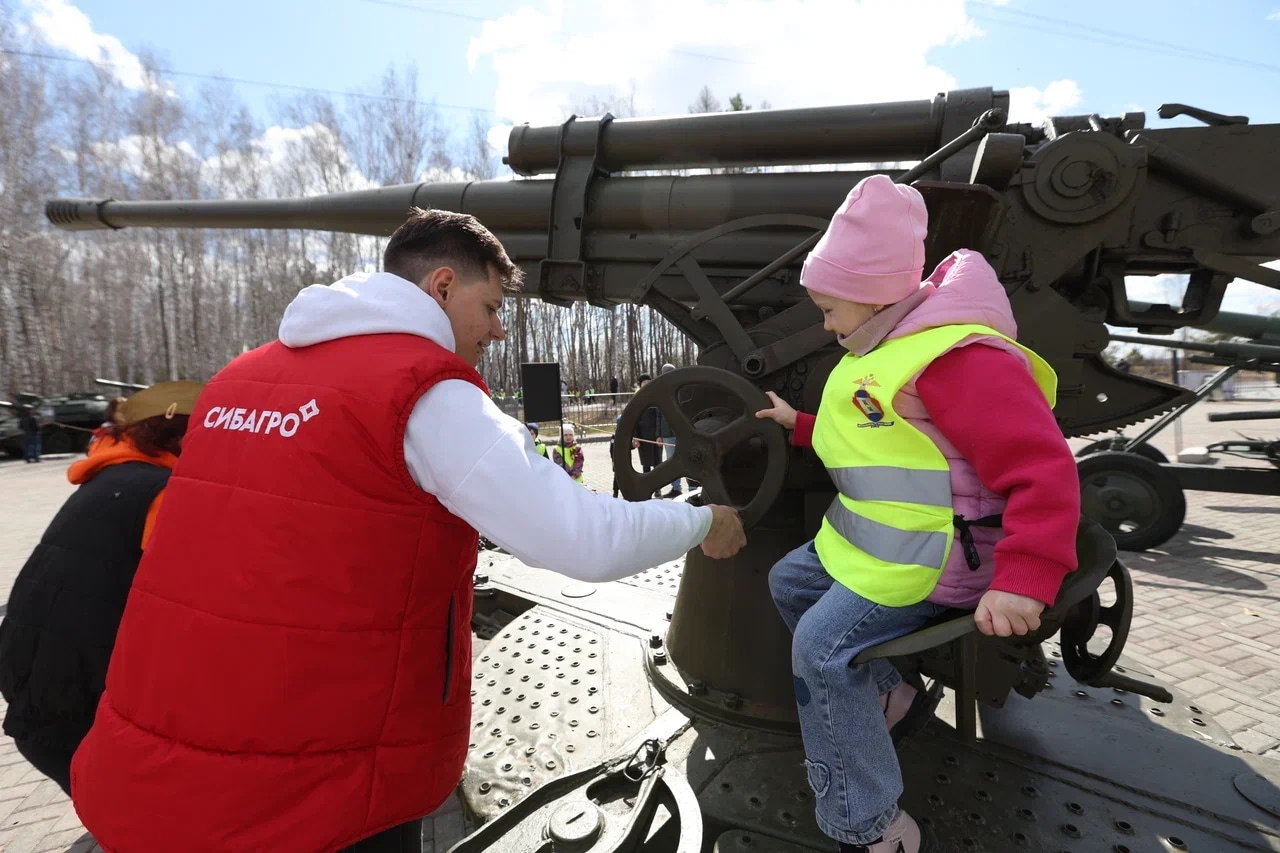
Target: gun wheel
x: 708, y: 439
x: 1118, y: 443
x: 1139, y: 503
x: 1083, y: 620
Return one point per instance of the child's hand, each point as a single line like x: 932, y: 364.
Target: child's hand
x: 781, y: 411
x: 1002, y: 613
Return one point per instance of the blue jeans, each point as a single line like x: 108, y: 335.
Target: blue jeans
x: 849, y: 756
x: 31, y: 447
x: 668, y: 451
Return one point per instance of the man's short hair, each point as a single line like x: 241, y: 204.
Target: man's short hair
x: 431, y: 239
x: 644, y: 377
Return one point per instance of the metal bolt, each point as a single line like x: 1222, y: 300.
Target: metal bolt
x: 655, y: 641
x: 659, y: 657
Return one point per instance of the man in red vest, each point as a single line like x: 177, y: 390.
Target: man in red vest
x: 292, y: 671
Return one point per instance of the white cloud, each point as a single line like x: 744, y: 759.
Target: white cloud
x: 1274, y: 16
x: 63, y: 26
x: 1032, y: 105
x: 286, y: 162
x: 141, y: 156
x: 553, y: 54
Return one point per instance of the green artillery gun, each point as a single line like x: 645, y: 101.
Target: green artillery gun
x: 657, y: 713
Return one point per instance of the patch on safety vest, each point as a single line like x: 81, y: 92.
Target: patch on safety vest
x: 869, y: 405
x: 261, y: 421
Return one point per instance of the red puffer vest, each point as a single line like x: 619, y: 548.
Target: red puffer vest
x: 292, y: 672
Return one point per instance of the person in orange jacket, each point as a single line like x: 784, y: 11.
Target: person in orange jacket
x: 65, y: 606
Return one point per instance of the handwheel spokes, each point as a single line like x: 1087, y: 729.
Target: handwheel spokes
x: 728, y: 437
x: 665, y: 472
x: 677, y: 418
x: 700, y: 447
x: 1111, y: 616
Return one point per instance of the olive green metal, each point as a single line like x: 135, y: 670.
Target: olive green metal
x: 905, y: 130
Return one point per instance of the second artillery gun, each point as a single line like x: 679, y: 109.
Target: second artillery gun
x: 1136, y: 492
x: 657, y: 713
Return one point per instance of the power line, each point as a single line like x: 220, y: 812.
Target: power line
x: 1118, y: 38
x: 1000, y: 15
x: 222, y: 78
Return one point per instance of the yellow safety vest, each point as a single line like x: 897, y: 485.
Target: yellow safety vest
x: 540, y: 447
x: 565, y: 461
x: 889, y: 531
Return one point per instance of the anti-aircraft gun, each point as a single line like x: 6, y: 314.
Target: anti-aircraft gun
x: 658, y: 713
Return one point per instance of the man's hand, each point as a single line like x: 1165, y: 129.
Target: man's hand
x: 726, y: 536
x: 782, y: 412
x: 1001, y: 614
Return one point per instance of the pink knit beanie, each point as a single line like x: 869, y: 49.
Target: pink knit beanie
x: 873, y: 251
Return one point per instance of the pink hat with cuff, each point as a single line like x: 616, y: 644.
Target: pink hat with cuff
x: 873, y: 251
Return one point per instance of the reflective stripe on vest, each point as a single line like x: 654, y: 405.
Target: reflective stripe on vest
x: 884, y: 483
x: 889, y: 532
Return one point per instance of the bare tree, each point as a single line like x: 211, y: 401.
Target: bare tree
x: 143, y: 305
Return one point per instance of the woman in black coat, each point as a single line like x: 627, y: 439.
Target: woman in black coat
x: 647, y: 435
x: 64, y: 610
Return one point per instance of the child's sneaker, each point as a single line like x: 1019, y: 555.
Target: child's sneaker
x: 904, y: 835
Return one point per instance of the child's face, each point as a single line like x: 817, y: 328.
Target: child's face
x: 840, y: 315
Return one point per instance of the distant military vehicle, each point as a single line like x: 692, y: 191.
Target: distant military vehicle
x: 75, y: 416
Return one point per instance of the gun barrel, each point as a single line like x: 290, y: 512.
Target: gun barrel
x: 1244, y: 416
x: 115, y: 383
x: 1225, y: 349
x: 1232, y: 323
x: 324, y: 213
x: 518, y: 212
x: 903, y: 130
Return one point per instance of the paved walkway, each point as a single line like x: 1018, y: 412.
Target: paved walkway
x: 1207, y: 618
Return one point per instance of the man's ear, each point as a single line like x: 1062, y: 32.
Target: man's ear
x: 440, y: 283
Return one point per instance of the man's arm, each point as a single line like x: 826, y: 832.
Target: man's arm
x: 482, y: 466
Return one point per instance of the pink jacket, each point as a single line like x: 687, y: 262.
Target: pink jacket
x: 982, y: 408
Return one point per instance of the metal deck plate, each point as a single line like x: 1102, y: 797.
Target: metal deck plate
x: 1181, y: 715
x: 1075, y: 769
x: 539, y: 702
x: 664, y: 578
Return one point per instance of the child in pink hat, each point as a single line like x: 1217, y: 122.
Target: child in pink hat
x: 935, y: 405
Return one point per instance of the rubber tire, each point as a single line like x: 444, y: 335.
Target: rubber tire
x: 1117, y: 444
x: 1173, y: 510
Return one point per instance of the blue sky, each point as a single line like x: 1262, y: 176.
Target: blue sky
x: 512, y: 61
x: 1120, y: 55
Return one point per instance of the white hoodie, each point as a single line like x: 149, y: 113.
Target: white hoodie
x: 481, y: 464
